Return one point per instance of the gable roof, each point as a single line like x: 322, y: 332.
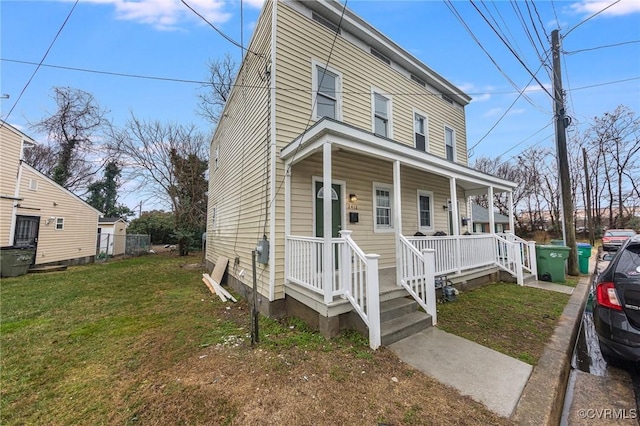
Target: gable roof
x: 481, y: 215
x: 111, y: 220
x: 17, y: 131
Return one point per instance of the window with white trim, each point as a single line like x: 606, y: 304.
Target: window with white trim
x: 327, y: 89
x: 450, y: 143
x: 420, y: 131
x: 383, y: 199
x: 216, y: 157
x: 59, y: 223
x: 425, y: 210
x: 33, y: 185
x: 381, y: 115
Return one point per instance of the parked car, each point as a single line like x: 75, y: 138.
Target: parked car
x: 614, y: 238
x: 616, y: 311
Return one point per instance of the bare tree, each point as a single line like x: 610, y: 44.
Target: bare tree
x: 72, y: 130
x: 151, y: 153
x: 217, y: 90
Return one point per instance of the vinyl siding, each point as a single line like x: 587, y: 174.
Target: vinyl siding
x: 10, y: 146
x: 359, y: 174
x: 301, y: 39
x: 77, y: 239
x: 238, y: 188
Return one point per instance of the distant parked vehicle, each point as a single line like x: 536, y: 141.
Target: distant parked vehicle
x: 614, y: 238
x: 616, y: 311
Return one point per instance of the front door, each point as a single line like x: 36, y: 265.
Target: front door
x: 336, y: 210
x: 27, y: 232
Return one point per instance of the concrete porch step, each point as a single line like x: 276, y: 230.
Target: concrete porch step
x: 395, y: 308
x: 398, y: 328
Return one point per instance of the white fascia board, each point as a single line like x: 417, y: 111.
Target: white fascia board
x: 358, y: 140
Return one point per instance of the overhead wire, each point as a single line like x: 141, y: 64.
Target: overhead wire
x: 589, y: 18
x: 511, y: 50
x: 457, y: 14
x: 523, y: 22
x: 24, y: 89
x: 606, y: 46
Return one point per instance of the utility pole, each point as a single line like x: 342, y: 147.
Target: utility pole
x: 587, y: 181
x: 569, y: 231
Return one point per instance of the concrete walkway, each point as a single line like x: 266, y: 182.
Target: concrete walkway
x: 544, y: 285
x: 494, y: 379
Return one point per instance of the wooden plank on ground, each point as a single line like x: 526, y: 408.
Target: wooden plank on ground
x: 218, y: 271
x: 208, y: 281
x: 218, y: 288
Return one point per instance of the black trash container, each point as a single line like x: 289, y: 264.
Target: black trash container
x: 15, y: 261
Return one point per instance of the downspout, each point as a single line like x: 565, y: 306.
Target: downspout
x: 274, y: 172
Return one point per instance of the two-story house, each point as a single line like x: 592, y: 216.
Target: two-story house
x: 323, y: 97
x: 36, y: 212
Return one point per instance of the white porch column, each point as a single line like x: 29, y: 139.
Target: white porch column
x: 492, y: 219
x: 397, y: 217
x: 327, y: 252
x: 287, y: 215
x: 455, y: 216
x: 512, y: 228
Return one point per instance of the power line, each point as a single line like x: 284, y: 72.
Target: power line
x: 40, y: 63
x: 281, y: 89
x: 455, y: 13
x: 573, y: 52
x: 226, y: 37
x: 590, y: 17
x: 512, y: 51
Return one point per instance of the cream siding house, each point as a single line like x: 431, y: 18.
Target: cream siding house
x: 36, y: 211
x: 323, y: 96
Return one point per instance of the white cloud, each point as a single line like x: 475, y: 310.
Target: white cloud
x: 479, y: 94
x: 624, y: 7
x: 255, y: 3
x: 492, y: 112
x: 536, y: 88
x: 168, y: 14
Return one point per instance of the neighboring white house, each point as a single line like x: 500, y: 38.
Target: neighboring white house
x: 37, y: 212
x: 323, y: 96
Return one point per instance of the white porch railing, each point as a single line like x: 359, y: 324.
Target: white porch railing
x: 417, y: 275
x: 455, y: 254
x: 527, y: 251
x: 354, y: 275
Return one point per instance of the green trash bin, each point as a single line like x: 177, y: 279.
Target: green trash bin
x: 15, y: 261
x: 551, y: 260
x: 584, y: 253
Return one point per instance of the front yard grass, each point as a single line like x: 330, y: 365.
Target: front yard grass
x: 517, y: 321
x: 143, y: 341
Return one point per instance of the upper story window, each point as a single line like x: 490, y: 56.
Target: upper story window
x: 450, y: 143
x: 382, y: 115
x: 326, y: 86
x: 325, y: 22
x: 420, y: 131
x: 380, y: 56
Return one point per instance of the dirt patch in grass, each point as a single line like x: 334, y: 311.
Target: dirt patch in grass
x: 143, y: 341
x: 517, y: 321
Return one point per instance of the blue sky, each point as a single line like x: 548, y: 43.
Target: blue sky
x: 163, y: 38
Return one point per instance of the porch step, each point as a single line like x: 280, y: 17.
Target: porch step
x: 527, y: 278
x: 400, y: 318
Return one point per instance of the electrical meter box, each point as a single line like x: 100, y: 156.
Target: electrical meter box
x: 262, y: 250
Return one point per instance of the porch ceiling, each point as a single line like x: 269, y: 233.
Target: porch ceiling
x: 349, y: 138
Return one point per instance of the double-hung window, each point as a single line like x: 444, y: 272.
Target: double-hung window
x: 382, y: 115
x: 449, y: 141
x: 59, y: 223
x: 425, y: 210
x: 383, y: 199
x: 326, y: 85
x: 420, y: 131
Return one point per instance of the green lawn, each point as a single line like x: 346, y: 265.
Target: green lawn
x: 517, y: 321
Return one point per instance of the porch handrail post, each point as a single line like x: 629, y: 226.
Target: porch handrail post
x: 516, y: 248
x: 327, y: 252
x: 397, y: 218
x: 345, y: 263
x: 429, y: 261
x: 533, y: 262
x: 373, y: 301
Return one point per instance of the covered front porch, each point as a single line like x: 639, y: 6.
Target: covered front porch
x: 378, y: 187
